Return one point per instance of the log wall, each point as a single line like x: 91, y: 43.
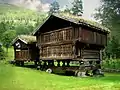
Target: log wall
x: 91, y: 54
x: 60, y: 44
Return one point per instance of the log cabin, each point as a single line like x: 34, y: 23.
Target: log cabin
x: 25, y: 49
x: 65, y: 38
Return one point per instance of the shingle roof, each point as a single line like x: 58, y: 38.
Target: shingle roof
x: 27, y: 39
x: 77, y: 20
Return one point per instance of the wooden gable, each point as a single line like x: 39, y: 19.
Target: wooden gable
x: 20, y: 45
x: 54, y: 22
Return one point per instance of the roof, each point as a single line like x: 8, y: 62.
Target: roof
x: 76, y: 20
x: 27, y: 39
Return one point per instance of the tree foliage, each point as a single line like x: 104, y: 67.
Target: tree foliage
x: 109, y: 15
x: 113, y: 48
x: 16, y: 21
x: 2, y: 53
x: 7, y: 37
x: 54, y: 7
x: 77, y: 8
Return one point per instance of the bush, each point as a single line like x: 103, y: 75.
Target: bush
x: 2, y: 53
x: 111, y: 63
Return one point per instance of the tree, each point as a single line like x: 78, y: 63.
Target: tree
x: 54, y: 7
x: 67, y: 10
x: 2, y: 53
x: 109, y: 15
x: 2, y: 29
x: 77, y: 8
x: 7, y: 38
x: 113, y: 48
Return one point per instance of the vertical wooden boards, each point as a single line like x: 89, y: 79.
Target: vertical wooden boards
x: 53, y: 44
x: 22, y: 55
x: 58, y: 51
x: 64, y: 34
x: 92, y: 37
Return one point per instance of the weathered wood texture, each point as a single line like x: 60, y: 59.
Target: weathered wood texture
x: 56, y: 44
x: 26, y: 52
x: 91, y: 54
x: 22, y: 55
x: 61, y: 43
x: 89, y: 36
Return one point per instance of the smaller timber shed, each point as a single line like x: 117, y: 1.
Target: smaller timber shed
x: 25, y: 48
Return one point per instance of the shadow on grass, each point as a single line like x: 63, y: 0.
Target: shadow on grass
x: 112, y: 77
x: 58, y: 72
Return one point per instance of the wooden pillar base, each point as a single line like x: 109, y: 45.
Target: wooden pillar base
x: 51, y: 63
x: 63, y: 63
x: 68, y: 63
x: 58, y: 63
x: 22, y: 63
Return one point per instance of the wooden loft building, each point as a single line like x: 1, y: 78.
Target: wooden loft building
x: 25, y: 48
x: 66, y: 38
x: 63, y: 37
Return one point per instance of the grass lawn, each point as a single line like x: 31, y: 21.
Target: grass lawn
x: 19, y: 78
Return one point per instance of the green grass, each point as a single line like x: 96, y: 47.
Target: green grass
x: 20, y: 78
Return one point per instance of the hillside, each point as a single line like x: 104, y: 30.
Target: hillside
x: 17, y: 18
x: 12, y: 12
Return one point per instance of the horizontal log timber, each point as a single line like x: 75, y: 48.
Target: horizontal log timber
x: 57, y: 30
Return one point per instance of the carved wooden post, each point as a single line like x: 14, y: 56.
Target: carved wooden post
x: 68, y: 63
x: 58, y: 63
x: 22, y: 63
x: 52, y: 62
x: 45, y: 63
x: 49, y: 63
x: 63, y: 63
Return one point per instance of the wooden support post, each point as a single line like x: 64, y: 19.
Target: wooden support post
x: 39, y: 63
x: 52, y: 63
x: 63, y: 63
x: 45, y: 63
x: 68, y: 63
x: 49, y: 63
x: 58, y: 63
x: 98, y: 65
x: 35, y: 62
x: 90, y: 62
x: 17, y: 63
x: 22, y: 63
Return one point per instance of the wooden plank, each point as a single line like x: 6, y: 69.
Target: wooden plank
x: 58, y: 36
x: 57, y: 51
x: 57, y: 30
x: 91, y: 54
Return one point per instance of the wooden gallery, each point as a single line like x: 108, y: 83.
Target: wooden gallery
x: 63, y: 39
